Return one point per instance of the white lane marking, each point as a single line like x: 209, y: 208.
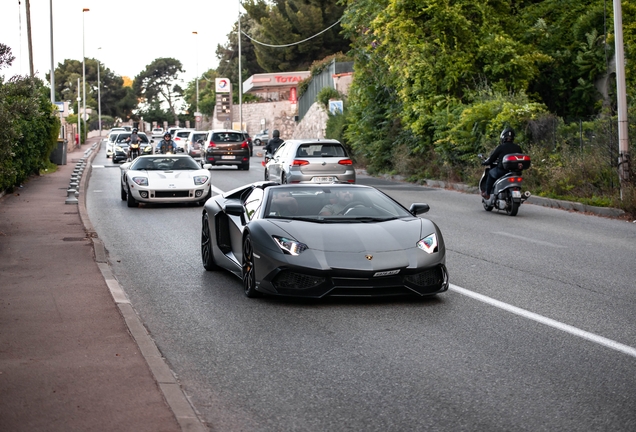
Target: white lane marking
x: 625, y: 349
x: 97, y: 166
x: 530, y: 240
x: 217, y: 190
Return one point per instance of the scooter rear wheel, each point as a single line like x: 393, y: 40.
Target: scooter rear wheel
x: 486, y: 206
x: 512, y: 208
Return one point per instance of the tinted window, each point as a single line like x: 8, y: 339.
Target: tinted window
x: 124, y: 136
x: 221, y: 137
x: 321, y: 150
x: 197, y: 137
x: 183, y: 134
x: 165, y: 164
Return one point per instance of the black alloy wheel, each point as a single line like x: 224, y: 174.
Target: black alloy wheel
x: 266, y: 175
x: 206, y: 245
x: 283, y: 179
x: 124, y: 195
x: 249, y: 274
x: 132, y: 202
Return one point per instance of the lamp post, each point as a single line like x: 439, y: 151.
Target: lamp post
x: 52, y: 62
x: 84, y: 73
x: 197, y: 114
x: 99, y: 98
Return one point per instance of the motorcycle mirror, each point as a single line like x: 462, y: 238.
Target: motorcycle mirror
x: 480, y: 156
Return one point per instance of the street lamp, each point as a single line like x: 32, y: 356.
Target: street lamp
x: 84, y: 73
x: 197, y: 114
x: 99, y: 98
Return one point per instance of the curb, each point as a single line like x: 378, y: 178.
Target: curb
x: 536, y: 200
x: 165, y: 378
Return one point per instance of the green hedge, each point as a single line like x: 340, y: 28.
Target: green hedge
x: 30, y: 128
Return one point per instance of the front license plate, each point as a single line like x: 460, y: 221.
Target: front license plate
x: 516, y: 194
x: 322, y: 179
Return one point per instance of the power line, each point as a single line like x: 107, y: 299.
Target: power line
x: 291, y: 44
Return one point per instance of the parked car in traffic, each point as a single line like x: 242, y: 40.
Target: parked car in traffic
x: 157, y: 133
x: 310, y: 161
x: 120, y: 149
x: 226, y: 147
x: 249, y: 142
x: 261, y: 138
x: 193, y: 143
x: 179, y: 137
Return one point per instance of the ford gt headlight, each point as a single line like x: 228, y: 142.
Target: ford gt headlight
x: 289, y: 246
x: 141, y: 181
x: 428, y: 244
x: 199, y: 180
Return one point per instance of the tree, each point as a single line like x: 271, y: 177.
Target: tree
x: 116, y: 100
x: 288, y: 21
x: 159, y: 82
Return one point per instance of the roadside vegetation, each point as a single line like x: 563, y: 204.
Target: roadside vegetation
x: 29, y: 127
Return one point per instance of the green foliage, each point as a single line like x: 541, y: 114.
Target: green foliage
x: 285, y: 22
x: 116, y: 100
x: 30, y: 129
x: 158, y: 82
x: 327, y: 93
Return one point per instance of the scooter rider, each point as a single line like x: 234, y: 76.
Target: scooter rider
x: 273, y: 144
x: 166, y: 145
x: 507, y: 146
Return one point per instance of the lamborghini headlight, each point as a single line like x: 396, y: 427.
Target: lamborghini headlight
x: 428, y: 244
x: 199, y: 180
x: 289, y: 246
x: 141, y: 181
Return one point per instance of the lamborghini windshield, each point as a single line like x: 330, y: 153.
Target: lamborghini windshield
x: 331, y: 203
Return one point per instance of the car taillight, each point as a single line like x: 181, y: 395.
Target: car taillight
x: 299, y: 162
x: 211, y: 144
x: 345, y: 162
x: 245, y: 145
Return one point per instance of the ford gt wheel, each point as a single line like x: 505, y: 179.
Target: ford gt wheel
x: 206, y: 245
x: 130, y: 200
x: 249, y: 275
x: 124, y: 195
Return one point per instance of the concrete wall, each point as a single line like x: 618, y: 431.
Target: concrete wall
x: 277, y: 115
x: 313, y: 124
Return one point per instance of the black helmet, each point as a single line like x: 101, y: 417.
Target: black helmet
x: 507, y: 135
x: 135, y: 130
x: 167, y: 134
x: 276, y: 133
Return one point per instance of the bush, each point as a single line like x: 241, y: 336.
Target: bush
x: 30, y: 129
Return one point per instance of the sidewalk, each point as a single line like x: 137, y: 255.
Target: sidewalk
x: 72, y: 358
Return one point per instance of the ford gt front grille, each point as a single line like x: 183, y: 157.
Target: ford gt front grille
x: 292, y: 280
x: 172, y: 194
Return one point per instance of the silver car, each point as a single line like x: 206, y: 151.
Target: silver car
x: 310, y: 161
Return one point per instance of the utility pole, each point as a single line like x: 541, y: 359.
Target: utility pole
x: 623, y: 143
x: 28, y: 17
x: 240, y: 83
x: 52, y: 62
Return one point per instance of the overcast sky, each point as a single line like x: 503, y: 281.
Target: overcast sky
x: 130, y: 33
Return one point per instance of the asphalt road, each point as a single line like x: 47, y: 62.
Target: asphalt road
x: 538, y: 331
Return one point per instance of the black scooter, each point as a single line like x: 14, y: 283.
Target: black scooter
x: 506, y: 194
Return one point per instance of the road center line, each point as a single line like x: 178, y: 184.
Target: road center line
x: 625, y: 349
